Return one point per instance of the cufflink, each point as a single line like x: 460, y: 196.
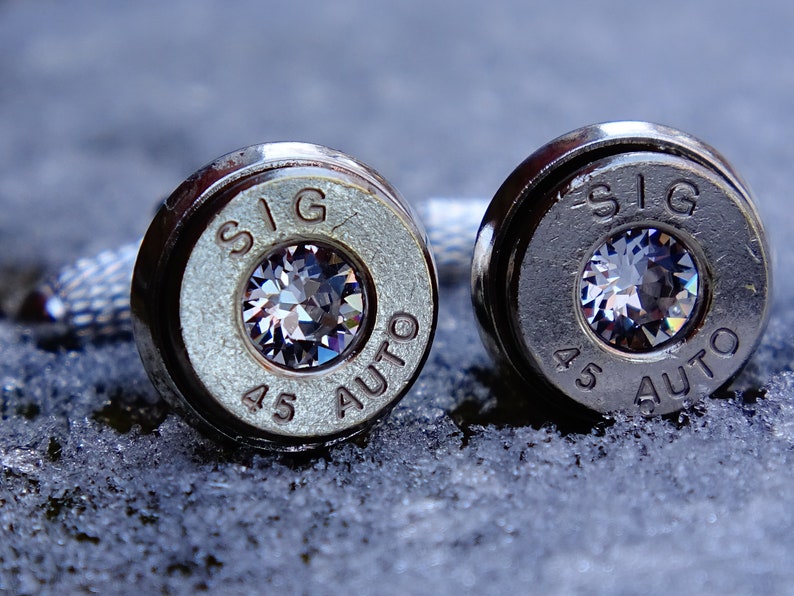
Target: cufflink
x: 622, y: 267
x: 284, y: 297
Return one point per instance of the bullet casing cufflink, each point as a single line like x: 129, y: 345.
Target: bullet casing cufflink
x: 622, y: 267
x: 284, y: 297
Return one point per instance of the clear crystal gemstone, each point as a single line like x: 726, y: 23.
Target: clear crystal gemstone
x: 303, y: 305
x: 639, y: 289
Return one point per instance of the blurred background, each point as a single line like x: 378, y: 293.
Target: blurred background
x: 106, y: 107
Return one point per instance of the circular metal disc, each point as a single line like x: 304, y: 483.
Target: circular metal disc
x: 196, y: 260
x: 565, y: 201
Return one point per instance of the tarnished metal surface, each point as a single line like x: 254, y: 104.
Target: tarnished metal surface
x: 568, y: 198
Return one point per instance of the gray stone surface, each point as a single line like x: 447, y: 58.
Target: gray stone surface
x: 104, y: 108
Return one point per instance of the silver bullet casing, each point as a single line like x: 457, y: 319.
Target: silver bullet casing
x: 198, y: 255
x: 583, y: 191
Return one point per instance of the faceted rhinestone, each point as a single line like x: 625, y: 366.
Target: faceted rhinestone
x: 303, y: 305
x: 639, y: 289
